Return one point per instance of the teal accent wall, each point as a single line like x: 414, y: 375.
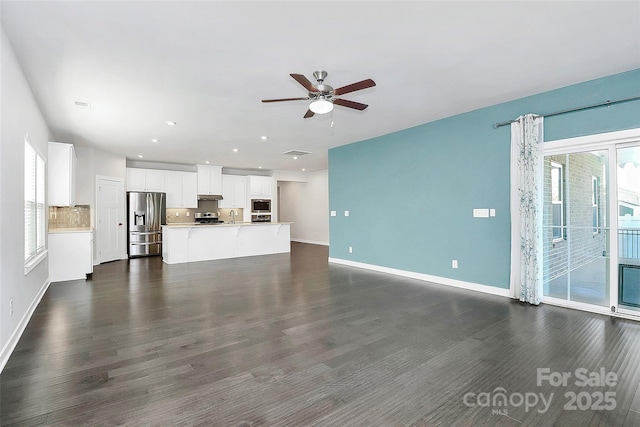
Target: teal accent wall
x: 411, y: 193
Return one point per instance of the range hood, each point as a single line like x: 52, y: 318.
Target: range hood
x: 209, y: 196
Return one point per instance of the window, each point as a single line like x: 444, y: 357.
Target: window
x: 557, y: 200
x: 34, y: 207
x: 595, y: 193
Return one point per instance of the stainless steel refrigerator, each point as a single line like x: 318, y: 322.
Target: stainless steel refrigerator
x: 147, y: 214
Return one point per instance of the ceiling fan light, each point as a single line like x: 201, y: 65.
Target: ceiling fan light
x: 321, y: 106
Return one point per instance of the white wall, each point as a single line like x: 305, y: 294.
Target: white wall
x: 92, y: 162
x: 306, y: 204
x: 19, y: 116
x: 85, y: 178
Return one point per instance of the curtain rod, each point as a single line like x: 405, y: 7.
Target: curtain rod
x: 571, y: 110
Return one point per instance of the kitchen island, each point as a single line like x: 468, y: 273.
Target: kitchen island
x: 204, y: 242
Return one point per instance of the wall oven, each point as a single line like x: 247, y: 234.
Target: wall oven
x: 260, y: 206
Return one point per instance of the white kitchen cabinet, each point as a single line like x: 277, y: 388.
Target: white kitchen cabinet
x: 70, y: 254
x: 190, y: 189
x: 61, y: 174
x: 209, y: 180
x: 260, y: 186
x: 145, y: 180
x: 181, y: 189
x: 234, y: 192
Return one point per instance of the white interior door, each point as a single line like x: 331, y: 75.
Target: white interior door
x: 110, y: 229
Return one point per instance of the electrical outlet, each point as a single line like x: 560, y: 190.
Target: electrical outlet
x: 454, y: 263
x: 10, y: 307
x: 350, y: 249
x: 177, y: 214
x: 333, y: 213
x: 187, y: 214
x: 346, y: 213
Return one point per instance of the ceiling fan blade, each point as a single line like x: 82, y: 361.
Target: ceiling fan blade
x: 304, y: 82
x: 350, y: 104
x: 285, y: 99
x: 354, y: 86
x: 308, y: 114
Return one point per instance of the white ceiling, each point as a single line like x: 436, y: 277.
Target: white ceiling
x: 207, y: 65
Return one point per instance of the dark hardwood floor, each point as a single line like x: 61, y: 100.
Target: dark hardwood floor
x: 288, y: 340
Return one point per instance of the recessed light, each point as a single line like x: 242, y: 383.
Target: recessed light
x: 264, y: 138
x: 259, y: 167
x: 171, y: 123
x: 235, y: 150
x: 155, y: 140
x: 303, y: 169
x: 295, y: 157
x: 140, y: 155
x: 207, y: 162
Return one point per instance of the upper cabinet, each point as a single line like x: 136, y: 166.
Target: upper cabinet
x: 181, y: 189
x: 62, y: 174
x: 234, y: 192
x: 145, y: 180
x: 260, y: 186
x: 209, y: 180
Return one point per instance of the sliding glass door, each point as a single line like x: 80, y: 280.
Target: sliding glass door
x: 576, y: 232
x: 591, y: 223
x: 628, y: 192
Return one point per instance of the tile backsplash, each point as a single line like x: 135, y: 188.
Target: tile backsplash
x: 181, y: 215
x: 69, y: 217
x: 225, y: 215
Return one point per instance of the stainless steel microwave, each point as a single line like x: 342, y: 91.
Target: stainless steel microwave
x: 260, y: 205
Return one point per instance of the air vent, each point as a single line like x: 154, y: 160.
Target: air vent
x: 83, y: 105
x: 297, y: 153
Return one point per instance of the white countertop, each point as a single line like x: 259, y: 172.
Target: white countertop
x: 226, y: 224
x: 71, y: 230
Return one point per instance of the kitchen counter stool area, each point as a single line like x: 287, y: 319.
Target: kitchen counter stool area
x: 190, y: 243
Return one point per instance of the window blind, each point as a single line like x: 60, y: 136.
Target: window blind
x: 34, y: 203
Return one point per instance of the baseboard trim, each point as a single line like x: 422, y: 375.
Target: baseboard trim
x: 427, y: 278
x: 17, y: 333
x: 311, y: 242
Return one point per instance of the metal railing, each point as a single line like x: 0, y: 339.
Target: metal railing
x: 629, y: 243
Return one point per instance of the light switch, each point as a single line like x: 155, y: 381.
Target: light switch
x: 333, y: 213
x: 492, y: 212
x: 481, y: 213
x: 346, y: 213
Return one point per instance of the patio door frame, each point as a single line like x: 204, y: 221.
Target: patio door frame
x: 610, y: 142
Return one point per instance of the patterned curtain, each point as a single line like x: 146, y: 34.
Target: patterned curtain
x: 526, y: 208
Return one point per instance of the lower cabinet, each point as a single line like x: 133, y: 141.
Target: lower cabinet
x: 186, y: 243
x: 70, y: 255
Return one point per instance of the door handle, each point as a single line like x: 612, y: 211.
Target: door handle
x: 120, y: 224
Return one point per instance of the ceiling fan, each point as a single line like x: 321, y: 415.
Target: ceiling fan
x: 323, y: 96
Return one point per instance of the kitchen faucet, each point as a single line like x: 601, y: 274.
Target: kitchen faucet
x: 233, y: 216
